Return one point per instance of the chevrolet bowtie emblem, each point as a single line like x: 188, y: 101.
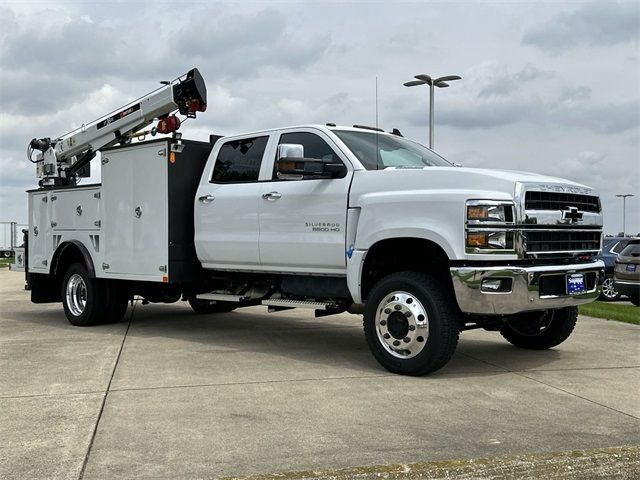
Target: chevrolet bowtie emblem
x: 572, y: 215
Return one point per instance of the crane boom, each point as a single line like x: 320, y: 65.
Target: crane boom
x: 60, y: 161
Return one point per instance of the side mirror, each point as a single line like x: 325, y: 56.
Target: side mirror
x: 291, y: 164
x: 290, y: 150
x: 299, y: 168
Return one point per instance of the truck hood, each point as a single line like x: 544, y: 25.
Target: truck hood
x: 474, y: 182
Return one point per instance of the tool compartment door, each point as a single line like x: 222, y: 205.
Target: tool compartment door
x: 39, y: 232
x: 77, y: 209
x: 134, y: 190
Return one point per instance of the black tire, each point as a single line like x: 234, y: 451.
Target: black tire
x: 609, y: 293
x: 441, y: 317
x: 117, y: 303
x: 205, y: 307
x: 635, y: 299
x: 96, y: 296
x: 6, y: 254
x: 540, y: 330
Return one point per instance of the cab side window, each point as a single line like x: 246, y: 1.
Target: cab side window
x: 314, y: 147
x: 239, y: 160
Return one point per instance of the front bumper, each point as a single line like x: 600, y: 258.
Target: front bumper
x: 529, y: 288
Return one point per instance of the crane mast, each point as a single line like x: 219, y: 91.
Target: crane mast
x: 61, y: 161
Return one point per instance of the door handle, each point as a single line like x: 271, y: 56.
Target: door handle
x: 271, y: 195
x: 206, y: 198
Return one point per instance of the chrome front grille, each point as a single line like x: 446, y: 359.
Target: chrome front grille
x: 561, y: 201
x: 560, y: 241
x: 557, y: 220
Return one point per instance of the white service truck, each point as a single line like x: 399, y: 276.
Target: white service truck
x: 10, y: 237
x: 322, y: 217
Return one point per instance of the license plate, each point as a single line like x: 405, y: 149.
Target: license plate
x: 575, y: 284
x: 631, y: 267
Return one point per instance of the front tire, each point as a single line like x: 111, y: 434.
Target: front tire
x: 410, y: 323
x: 609, y: 292
x: 540, y: 330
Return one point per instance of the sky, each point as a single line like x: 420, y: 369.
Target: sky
x: 547, y: 87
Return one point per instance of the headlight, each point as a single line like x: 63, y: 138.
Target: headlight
x: 489, y: 241
x: 490, y: 226
x: 488, y: 211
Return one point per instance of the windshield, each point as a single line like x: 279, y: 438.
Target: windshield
x: 377, y: 152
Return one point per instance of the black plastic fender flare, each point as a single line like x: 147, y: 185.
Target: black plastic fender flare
x: 83, y: 251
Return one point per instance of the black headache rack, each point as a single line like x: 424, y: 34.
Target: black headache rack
x: 183, y: 179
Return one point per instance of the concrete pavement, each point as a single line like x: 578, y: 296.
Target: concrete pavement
x: 169, y: 394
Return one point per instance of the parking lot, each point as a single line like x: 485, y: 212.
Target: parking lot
x: 170, y: 394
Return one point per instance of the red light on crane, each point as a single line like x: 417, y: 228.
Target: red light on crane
x: 168, y: 124
x: 196, y: 106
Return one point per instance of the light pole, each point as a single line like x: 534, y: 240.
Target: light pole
x: 624, y: 210
x: 439, y: 82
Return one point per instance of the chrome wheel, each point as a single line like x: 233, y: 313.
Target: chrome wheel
x: 608, y: 290
x: 402, y: 325
x: 76, y: 293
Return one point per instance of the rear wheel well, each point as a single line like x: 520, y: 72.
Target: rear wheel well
x: 404, y: 254
x: 47, y: 288
x: 69, y: 253
x: 66, y: 255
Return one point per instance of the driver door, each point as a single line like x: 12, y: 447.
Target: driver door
x: 303, y: 221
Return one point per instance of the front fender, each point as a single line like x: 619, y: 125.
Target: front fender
x: 438, y: 218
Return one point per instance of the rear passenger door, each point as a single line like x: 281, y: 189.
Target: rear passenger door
x: 227, y: 204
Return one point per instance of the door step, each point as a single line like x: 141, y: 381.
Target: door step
x: 281, y: 302
x: 221, y: 297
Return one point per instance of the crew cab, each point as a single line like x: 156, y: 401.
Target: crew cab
x: 329, y: 218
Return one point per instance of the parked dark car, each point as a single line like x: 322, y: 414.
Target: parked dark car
x: 612, y: 246
x: 626, y: 278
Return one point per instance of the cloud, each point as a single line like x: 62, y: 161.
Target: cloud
x: 596, y: 24
x: 575, y: 93
x: 497, y: 97
x: 57, y: 57
x: 498, y: 81
x: 243, y: 44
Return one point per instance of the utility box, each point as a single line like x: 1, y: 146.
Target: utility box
x: 147, y: 197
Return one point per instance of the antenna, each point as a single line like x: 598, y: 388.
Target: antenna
x: 377, y: 128
x: 377, y: 101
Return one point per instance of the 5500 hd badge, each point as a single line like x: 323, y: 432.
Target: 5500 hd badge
x: 323, y: 226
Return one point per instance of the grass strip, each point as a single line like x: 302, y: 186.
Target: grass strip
x: 612, y: 311
x: 615, y: 462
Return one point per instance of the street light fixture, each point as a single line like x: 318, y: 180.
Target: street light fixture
x: 624, y: 210
x: 439, y: 82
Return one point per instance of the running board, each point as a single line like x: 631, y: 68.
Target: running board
x: 221, y: 297
x: 281, y: 302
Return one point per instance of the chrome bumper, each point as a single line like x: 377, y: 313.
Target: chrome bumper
x: 525, y: 291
